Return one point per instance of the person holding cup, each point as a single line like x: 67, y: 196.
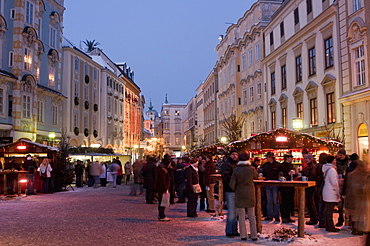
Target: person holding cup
x: 310, y: 172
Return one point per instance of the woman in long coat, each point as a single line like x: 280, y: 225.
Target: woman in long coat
x: 242, y: 183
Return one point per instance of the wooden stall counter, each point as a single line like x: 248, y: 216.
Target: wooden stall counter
x: 299, y: 185
x: 5, y: 174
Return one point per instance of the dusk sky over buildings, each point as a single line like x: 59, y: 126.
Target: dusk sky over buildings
x: 169, y: 44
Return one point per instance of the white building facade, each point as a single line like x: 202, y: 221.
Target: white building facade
x: 302, y: 67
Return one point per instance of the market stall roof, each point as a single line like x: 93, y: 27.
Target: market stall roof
x: 284, y: 139
x: 96, y: 154
x: 217, y: 148
x: 30, y: 146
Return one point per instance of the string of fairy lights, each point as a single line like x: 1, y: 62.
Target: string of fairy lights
x: 262, y: 142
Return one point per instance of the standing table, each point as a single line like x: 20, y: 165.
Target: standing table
x: 299, y: 185
x: 220, y: 192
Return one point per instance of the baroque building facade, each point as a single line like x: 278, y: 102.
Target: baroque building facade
x: 239, y: 69
x: 302, y: 67
x: 354, y: 70
x: 105, y: 102
x: 30, y: 78
x: 171, y: 127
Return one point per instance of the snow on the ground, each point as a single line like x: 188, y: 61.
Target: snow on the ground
x: 314, y: 235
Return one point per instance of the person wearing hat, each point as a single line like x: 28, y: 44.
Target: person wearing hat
x: 270, y: 171
x: 287, y: 193
x: 342, y: 163
x: 310, y: 172
x: 226, y: 172
x: 242, y: 183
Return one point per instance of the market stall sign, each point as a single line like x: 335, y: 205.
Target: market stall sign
x: 288, y: 144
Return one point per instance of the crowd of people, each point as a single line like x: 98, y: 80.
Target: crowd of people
x: 341, y: 185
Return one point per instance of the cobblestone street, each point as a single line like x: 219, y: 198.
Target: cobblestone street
x: 108, y: 216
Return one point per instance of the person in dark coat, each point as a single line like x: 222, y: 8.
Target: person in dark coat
x: 226, y: 173
x: 310, y: 172
x: 270, y: 171
x: 287, y: 193
x: 162, y: 184
x: 209, y: 183
x: 354, y: 196
x: 192, y: 178
x: 148, y: 172
x: 79, y: 171
x: 170, y: 166
x: 29, y: 165
x: 342, y: 163
x: 180, y: 178
x: 318, y: 194
x: 201, y: 173
x: 242, y: 183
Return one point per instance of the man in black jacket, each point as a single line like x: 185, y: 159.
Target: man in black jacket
x: 287, y: 193
x: 148, y: 172
x: 271, y: 172
x: 226, y: 173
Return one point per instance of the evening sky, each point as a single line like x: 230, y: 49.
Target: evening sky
x: 169, y: 44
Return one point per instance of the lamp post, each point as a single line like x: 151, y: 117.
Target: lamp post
x: 52, y: 137
x: 223, y: 140
x: 297, y: 124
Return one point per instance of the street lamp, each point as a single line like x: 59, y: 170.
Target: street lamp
x: 223, y: 139
x: 297, y: 124
x: 52, y: 137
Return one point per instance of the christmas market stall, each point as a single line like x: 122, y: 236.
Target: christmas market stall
x: 12, y: 157
x: 282, y: 140
x: 217, y: 149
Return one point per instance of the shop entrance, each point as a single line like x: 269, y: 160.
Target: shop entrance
x: 363, y: 143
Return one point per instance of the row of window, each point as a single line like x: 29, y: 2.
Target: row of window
x: 313, y: 107
x: 356, y: 5
x: 251, y: 94
x: 329, y: 62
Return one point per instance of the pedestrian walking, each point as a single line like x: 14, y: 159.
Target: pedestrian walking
x: 138, y: 178
x: 95, y: 171
x: 128, y: 171
x: 103, y: 175
x: 112, y: 174
x: 161, y: 187
x: 242, y: 183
